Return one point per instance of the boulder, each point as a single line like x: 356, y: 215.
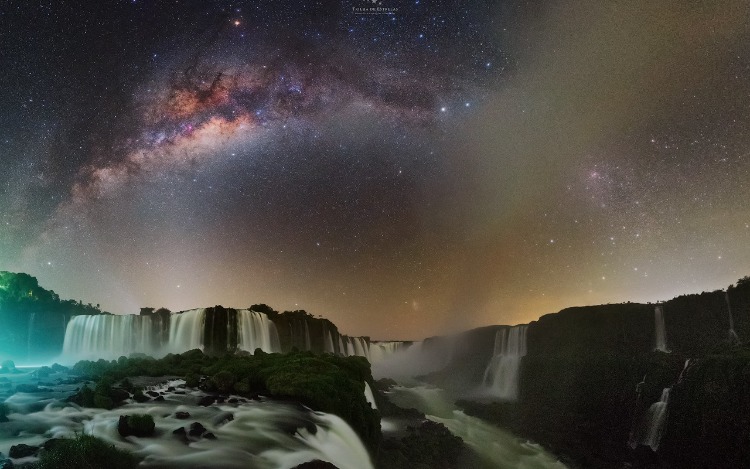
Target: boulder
x: 182, y: 415
x: 22, y: 451
x: 196, y: 429
x: 206, y: 401
x: 136, y: 425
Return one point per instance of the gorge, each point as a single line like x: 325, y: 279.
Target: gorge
x: 599, y: 386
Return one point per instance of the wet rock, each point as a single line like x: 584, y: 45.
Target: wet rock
x: 152, y: 393
x: 28, y: 388
x: 171, y: 389
x: 135, y: 425
x: 223, y: 418
x: 315, y: 464
x: 6, y: 463
x: 141, y: 398
x: 22, y: 451
x: 182, y: 415
x: 179, y: 392
x: 206, y: 401
x: 159, y: 398
x: 51, y: 443
x: 179, y: 431
x: 209, y: 436
x: 233, y: 400
x: 57, y: 368
x: 196, y: 429
x: 255, y: 397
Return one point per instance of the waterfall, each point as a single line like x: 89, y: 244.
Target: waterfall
x: 501, y: 374
x: 732, y: 334
x: 342, y: 348
x: 370, y: 396
x: 108, y: 336
x: 186, y: 331
x: 307, y: 337
x: 661, y: 332
x: 380, y: 351
x: 684, y: 369
x: 256, y: 330
x: 329, y: 342
x: 657, y: 419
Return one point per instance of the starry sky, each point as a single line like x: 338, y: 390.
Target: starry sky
x: 403, y: 168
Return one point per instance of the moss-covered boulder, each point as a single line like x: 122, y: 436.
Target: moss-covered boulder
x: 85, y: 452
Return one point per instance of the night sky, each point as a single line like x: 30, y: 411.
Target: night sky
x: 446, y: 165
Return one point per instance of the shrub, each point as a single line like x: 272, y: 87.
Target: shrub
x: 85, y: 452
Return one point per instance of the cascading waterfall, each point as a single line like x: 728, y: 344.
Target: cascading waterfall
x: 328, y: 343
x: 657, y: 419
x: 370, y: 396
x: 308, y: 345
x: 256, y: 330
x: 186, y: 330
x: 732, y: 333
x: 501, y: 374
x: 661, y: 332
x: 108, y: 337
x: 379, y: 351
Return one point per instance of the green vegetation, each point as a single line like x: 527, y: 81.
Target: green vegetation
x: 85, y: 452
x: 325, y: 383
x: 24, y: 304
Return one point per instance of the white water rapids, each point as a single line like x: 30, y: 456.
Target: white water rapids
x: 262, y: 435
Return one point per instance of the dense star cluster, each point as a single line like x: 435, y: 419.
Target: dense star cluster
x: 402, y: 172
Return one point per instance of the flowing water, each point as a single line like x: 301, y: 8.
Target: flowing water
x: 256, y: 331
x: 656, y: 421
x: 498, y: 448
x: 249, y: 434
x: 502, y: 372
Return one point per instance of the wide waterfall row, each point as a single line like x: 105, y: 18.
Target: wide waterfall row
x: 113, y: 336
x: 110, y: 336
x: 501, y: 374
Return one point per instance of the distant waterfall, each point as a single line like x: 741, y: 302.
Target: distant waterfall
x: 380, y: 351
x: 328, y: 343
x: 501, y: 374
x: 257, y: 331
x: 661, y: 330
x: 657, y: 419
x: 732, y: 333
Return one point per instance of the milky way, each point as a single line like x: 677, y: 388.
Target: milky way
x: 447, y: 164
